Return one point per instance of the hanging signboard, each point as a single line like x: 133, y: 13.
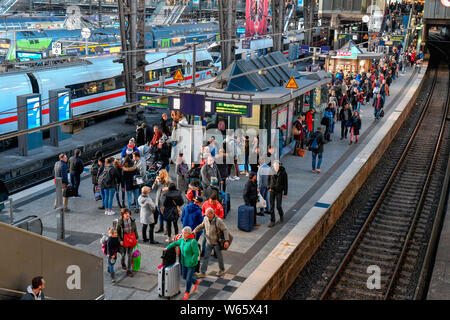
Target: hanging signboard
x: 325, y: 50
x: 304, y: 49
x: 150, y: 101
x: 232, y: 108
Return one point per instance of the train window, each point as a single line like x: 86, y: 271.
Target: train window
x: 109, y: 84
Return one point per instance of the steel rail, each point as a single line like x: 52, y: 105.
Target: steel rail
x: 420, y: 204
x: 358, y: 238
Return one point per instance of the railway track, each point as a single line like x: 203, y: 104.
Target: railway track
x: 392, y: 238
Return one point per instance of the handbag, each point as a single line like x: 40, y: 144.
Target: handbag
x: 69, y: 191
x: 129, y: 240
x: 382, y: 113
x: 262, y: 203
x: 295, y: 131
x: 221, y: 238
x: 301, y: 152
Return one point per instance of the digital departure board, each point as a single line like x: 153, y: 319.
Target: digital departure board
x: 150, y: 101
x: 233, y: 108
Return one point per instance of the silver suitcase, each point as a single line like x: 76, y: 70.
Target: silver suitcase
x: 169, y: 280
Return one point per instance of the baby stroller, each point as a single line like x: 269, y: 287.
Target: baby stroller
x: 153, y: 172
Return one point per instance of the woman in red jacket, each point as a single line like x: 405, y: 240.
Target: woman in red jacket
x: 310, y: 120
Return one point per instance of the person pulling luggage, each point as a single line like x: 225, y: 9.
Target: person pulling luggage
x: 188, y: 259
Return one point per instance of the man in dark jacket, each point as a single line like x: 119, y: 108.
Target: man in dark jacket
x: 278, y: 187
x: 162, y: 153
x: 315, y: 145
x: 378, y: 105
x: 345, y: 115
x: 251, y: 194
x: 60, y: 171
x: 140, y: 136
x: 164, y: 124
x: 35, y: 291
x: 170, y: 201
x: 76, y: 168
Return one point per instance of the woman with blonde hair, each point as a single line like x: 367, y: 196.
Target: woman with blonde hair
x: 161, y: 185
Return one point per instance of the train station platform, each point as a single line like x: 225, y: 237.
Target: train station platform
x: 254, y: 259
x: 106, y: 135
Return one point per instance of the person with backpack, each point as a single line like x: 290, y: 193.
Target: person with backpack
x: 76, y: 168
x: 188, y: 258
x: 94, y: 170
x: 126, y: 228
x: 128, y: 172
x: 107, y: 180
x: 147, y: 214
x: 191, y: 216
x: 345, y: 115
x: 315, y: 145
x: 356, y: 125
x: 171, y: 201
x: 112, y: 247
x: 212, y: 225
x: 278, y: 187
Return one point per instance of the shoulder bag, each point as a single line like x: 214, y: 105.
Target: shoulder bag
x: 221, y: 237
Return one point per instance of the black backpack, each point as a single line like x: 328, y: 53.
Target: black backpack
x: 104, y: 180
x: 169, y: 257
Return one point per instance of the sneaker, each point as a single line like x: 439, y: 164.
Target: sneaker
x: 111, y: 213
x: 313, y: 171
x: 318, y: 171
x: 271, y: 224
x: 107, y: 213
x: 196, y: 285
x: 220, y: 273
x: 186, y: 296
x: 201, y: 275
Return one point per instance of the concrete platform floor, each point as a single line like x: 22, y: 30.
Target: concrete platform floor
x: 85, y: 223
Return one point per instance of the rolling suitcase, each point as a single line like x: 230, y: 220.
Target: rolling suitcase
x: 245, y: 218
x: 224, y: 199
x: 169, y: 280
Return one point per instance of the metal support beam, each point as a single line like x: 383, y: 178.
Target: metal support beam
x: 277, y: 24
x: 308, y: 13
x: 132, y: 32
x: 227, y: 25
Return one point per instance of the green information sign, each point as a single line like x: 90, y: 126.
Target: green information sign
x: 343, y: 36
x: 233, y: 109
x: 397, y: 38
x: 148, y: 101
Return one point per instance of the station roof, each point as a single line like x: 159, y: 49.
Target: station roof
x: 267, y: 89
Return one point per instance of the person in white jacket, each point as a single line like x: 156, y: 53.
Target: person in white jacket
x: 148, y: 215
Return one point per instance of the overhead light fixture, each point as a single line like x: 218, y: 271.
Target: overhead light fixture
x: 262, y: 72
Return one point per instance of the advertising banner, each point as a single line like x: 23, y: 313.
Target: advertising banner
x: 256, y: 17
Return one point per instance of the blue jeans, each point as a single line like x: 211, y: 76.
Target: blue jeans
x: 265, y: 194
x: 314, y: 156
x: 377, y: 113
x: 189, y: 275
x: 111, y: 263
x: 109, y: 193
x: 75, y: 181
x: 135, y: 194
x: 358, y: 107
x: 103, y: 194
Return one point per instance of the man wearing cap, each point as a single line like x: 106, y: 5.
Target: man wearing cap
x: 192, y: 215
x: 251, y: 194
x: 129, y: 149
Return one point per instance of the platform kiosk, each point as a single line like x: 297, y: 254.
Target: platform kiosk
x: 29, y: 116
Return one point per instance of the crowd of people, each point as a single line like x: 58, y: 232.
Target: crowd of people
x: 196, y: 198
